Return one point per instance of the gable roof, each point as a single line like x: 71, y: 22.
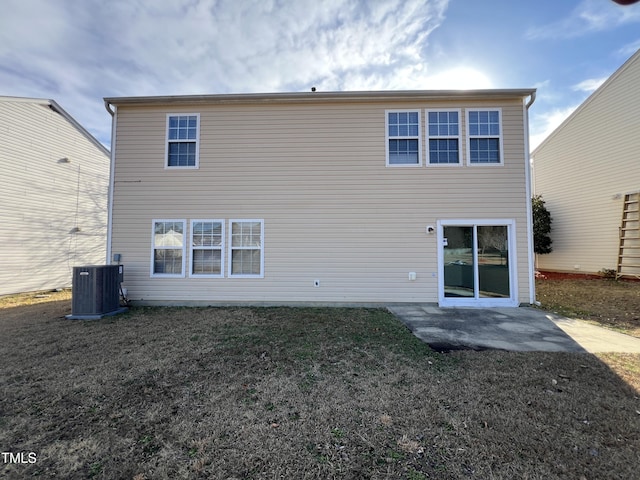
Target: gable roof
x: 355, y: 96
x: 620, y: 71
x: 53, y: 105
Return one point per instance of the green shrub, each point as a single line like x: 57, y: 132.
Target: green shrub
x: 541, y: 226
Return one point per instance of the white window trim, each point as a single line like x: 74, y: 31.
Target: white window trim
x: 153, y: 247
x: 167, y: 141
x: 193, y: 248
x: 512, y: 301
x: 387, y: 137
x: 429, y: 137
x: 501, y: 123
x: 231, y: 248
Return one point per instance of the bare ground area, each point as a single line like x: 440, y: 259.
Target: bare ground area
x: 251, y: 393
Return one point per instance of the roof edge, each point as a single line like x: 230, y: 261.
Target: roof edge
x: 321, y: 96
x: 47, y: 102
x: 597, y: 92
x: 39, y: 101
x: 79, y: 127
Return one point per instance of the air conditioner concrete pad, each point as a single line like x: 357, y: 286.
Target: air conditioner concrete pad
x: 89, y: 316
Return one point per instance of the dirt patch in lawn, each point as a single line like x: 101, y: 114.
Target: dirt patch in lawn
x: 611, y: 303
x: 297, y: 393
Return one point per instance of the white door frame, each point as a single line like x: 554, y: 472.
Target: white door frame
x: 512, y: 301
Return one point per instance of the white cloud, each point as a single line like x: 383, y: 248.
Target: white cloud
x: 411, y: 77
x: 629, y: 49
x: 543, y: 125
x: 87, y: 49
x: 462, y: 78
x: 208, y: 46
x: 589, y: 85
x: 588, y: 17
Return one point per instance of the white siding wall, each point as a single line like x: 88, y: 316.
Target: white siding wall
x: 332, y: 210
x: 583, y: 171
x: 43, y: 200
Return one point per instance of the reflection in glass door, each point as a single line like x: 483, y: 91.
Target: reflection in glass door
x: 493, y: 261
x: 459, y: 278
x: 476, y: 261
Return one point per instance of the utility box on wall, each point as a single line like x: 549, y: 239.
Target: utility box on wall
x: 96, y: 292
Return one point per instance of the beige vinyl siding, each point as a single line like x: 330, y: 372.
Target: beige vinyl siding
x: 332, y: 210
x: 583, y: 171
x: 43, y: 199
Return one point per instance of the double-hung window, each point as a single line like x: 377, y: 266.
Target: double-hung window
x: 484, y: 136
x: 404, y: 144
x: 168, y: 248
x: 207, y: 248
x: 443, y: 133
x: 183, y: 140
x: 246, y: 240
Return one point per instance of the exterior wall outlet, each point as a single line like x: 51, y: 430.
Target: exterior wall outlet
x: 412, y: 276
x: 316, y: 283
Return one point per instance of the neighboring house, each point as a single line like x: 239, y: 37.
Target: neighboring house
x: 585, y: 170
x: 54, y: 187
x: 336, y: 197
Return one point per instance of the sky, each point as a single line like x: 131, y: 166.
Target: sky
x: 77, y: 52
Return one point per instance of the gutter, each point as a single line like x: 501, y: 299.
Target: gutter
x: 107, y: 105
x: 341, y: 96
x: 111, y: 179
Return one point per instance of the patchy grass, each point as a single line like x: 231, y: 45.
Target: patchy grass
x: 611, y: 303
x: 626, y: 365
x: 249, y: 393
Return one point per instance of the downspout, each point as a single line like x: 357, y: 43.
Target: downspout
x: 111, y: 179
x: 528, y: 183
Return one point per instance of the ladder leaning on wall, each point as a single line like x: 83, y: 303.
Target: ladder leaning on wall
x: 629, y: 247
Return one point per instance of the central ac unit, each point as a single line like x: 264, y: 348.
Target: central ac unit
x: 96, y: 291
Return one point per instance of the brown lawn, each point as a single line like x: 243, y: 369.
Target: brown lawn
x: 611, y: 303
x: 244, y: 393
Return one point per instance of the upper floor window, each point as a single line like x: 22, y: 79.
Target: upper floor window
x: 167, y: 250
x: 182, y: 140
x: 443, y: 132
x: 484, y: 136
x: 404, y: 145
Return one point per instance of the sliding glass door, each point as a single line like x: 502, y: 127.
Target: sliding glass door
x: 475, y: 264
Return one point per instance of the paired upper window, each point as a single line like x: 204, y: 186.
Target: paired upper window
x: 443, y: 128
x: 183, y: 134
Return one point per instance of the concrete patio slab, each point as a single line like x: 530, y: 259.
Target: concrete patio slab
x: 521, y: 329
